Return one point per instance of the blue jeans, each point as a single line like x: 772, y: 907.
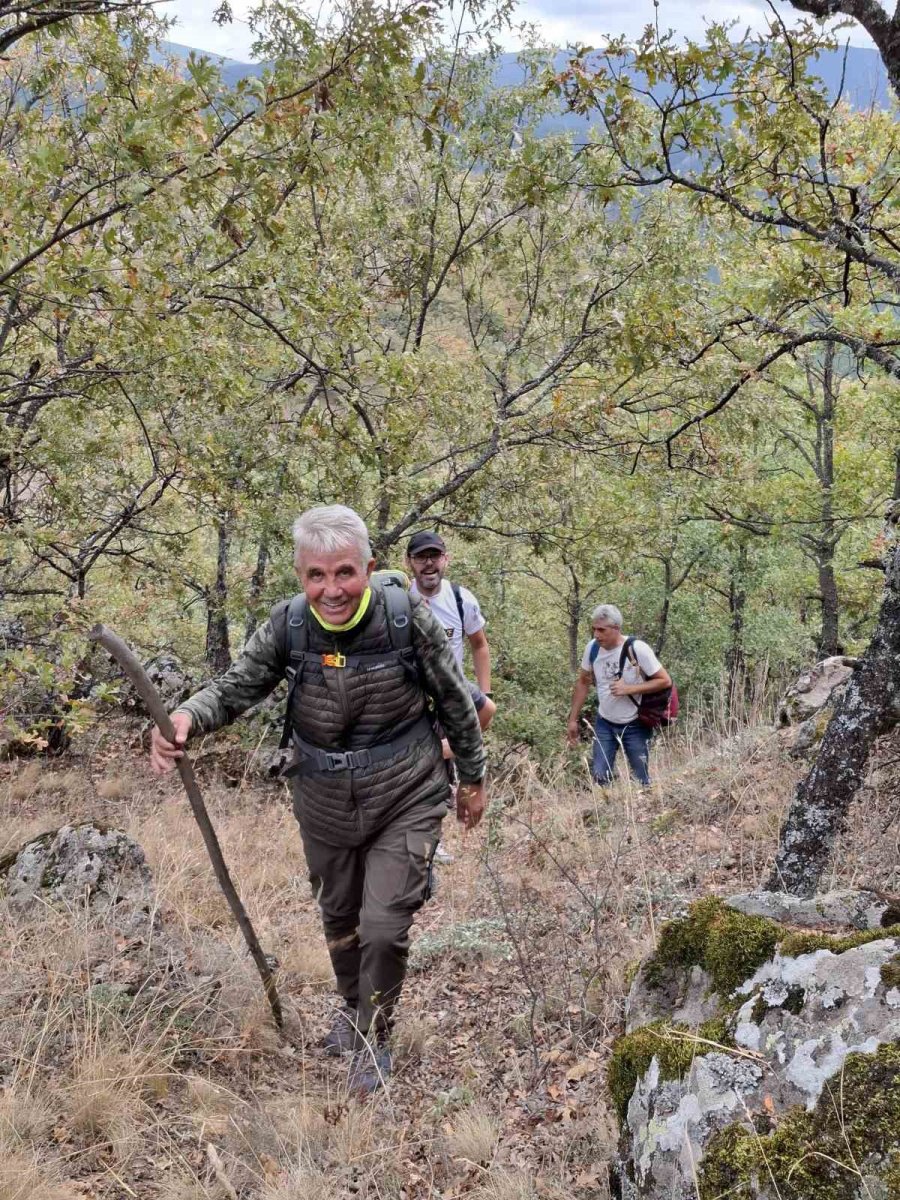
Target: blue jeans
x: 633, y: 737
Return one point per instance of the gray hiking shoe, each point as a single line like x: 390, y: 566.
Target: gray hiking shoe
x: 442, y: 855
x: 370, y: 1069
x: 341, y: 1035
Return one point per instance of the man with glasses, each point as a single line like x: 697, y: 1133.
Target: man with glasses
x: 456, y: 609
x: 623, y: 673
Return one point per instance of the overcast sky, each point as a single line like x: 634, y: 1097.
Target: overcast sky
x: 562, y: 21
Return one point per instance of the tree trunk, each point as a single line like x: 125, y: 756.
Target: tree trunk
x: 882, y: 27
x: 735, y: 663
x: 257, y: 583
x: 829, y: 637
x: 662, y: 626
x: 829, y: 641
x: 574, y: 607
x: 218, y: 644
x: 869, y: 707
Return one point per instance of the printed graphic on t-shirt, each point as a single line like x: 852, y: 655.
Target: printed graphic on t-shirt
x: 443, y: 605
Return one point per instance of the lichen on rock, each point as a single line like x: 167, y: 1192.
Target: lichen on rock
x: 673, y: 1046
x: 786, y: 1016
x: 826, y: 1154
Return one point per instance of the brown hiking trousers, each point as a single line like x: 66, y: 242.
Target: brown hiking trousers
x: 368, y: 896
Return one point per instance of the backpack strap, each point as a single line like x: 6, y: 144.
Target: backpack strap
x: 457, y: 596
x: 629, y: 655
x: 594, y: 651
x: 296, y: 647
x: 398, y: 614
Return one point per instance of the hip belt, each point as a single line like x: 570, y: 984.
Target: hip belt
x: 315, y: 758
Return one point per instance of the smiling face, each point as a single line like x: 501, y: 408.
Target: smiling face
x: 428, y: 566
x: 334, y: 583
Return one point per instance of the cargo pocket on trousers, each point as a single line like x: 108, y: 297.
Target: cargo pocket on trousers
x: 420, y: 849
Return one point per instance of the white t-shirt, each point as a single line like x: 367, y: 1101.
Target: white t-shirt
x: 620, y: 709
x: 443, y: 605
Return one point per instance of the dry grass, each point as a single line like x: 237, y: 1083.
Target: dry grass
x: 308, y: 1182
x: 21, y: 1178
x: 505, y: 1185
x: 102, y: 1108
x: 473, y: 1136
x: 24, y: 781
x: 114, y: 787
x: 25, y: 1119
x: 502, y: 1038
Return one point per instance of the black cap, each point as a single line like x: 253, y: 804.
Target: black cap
x: 425, y: 540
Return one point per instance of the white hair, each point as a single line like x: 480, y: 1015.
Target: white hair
x: 608, y: 613
x: 329, y: 528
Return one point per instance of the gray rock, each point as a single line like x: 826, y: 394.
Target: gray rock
x: 683, y: 998
x: 842, y: 909
x: 173, y: 682
x: 85, y: 865
x: 814, y: 688
x: 169, y: 678
x: 790, y: 1029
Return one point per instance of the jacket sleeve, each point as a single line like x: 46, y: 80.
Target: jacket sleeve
x: 446, y: 684
x: 258, y: 670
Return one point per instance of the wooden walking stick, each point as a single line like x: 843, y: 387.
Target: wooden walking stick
x: 148, y: 693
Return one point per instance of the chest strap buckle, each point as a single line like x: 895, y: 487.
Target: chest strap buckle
x: 336, y: 761
x: 334, y: 660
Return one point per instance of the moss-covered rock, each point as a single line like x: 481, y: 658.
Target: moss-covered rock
x: 792, y: 945
x: 890, y: 974
x: 726, y: 944
x: 852, y: 1133
x: 795, y: 1036
x: 673, y: 1046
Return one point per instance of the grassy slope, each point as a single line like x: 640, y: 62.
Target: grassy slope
x: 506, y: 1021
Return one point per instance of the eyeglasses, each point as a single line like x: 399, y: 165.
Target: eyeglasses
x: 427, y: 556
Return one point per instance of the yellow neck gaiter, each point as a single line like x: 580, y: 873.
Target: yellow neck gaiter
x: 354, y: 620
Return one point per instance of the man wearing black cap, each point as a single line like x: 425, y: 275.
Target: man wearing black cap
x: 456, y: 609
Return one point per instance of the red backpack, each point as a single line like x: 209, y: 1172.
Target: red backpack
x: 656, y: 710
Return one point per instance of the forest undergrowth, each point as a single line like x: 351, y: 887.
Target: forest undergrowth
x: 169, y: 1081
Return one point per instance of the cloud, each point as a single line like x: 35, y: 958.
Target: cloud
x: 194, y: 26
x: 588, y: 21
x: 560, y: 21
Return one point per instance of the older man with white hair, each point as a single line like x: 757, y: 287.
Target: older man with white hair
x: 369, y: 782
x: 624, y: 669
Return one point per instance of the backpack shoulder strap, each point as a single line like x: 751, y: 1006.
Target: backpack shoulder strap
x: 398, y: 613
x: 296, y: 645
x: 457, y: 596
x: 594, y: 651
x: 629, y: 655
x: 297, y: 641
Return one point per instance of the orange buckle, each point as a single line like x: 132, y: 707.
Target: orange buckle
x: 333, y: 660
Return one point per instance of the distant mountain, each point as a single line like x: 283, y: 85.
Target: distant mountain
x: 231, y: 69
x: 865, y: 81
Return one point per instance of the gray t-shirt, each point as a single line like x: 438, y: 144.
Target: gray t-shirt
x: 620, y: 709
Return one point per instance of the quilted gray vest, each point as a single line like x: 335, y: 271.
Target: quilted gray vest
x: 365, y: 749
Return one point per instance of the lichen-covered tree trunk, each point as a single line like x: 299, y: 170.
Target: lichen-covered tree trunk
x: 869, y: 707
x: 218, y: 643
x: 735, y: 659
x: 574, y: 606
x: 257, y: 583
